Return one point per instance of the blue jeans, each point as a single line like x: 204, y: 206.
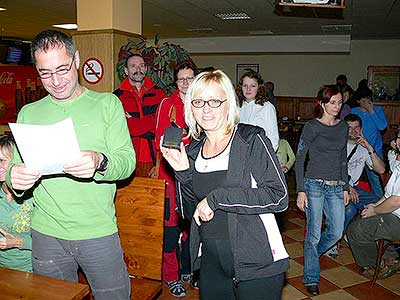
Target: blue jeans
x: 375, y: 182
x: 327, y: 200
x: 101, y: 260
x: 352, y: 209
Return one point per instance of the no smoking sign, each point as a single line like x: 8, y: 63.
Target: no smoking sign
x: 92, y: 70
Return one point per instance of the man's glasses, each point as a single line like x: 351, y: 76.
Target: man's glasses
x: 60, y: 72
x: 214, y: 103
x: 187, y: 79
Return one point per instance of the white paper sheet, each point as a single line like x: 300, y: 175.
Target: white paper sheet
x: 46, y: 148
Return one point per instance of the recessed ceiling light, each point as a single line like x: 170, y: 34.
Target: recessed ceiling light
x: 233, y: 16
x: 202, y: 29
x: 337, y: 28
x: 66, y: 26
x: 260, y: 32
x: 3, y: 9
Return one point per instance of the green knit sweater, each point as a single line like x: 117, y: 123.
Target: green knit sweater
x: 71, y: 208
x: 15, y: 218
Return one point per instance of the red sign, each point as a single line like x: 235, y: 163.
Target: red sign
x: 19, y: 85
x: 92, y: 70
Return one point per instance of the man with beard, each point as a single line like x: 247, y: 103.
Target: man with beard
x: 140, y: 98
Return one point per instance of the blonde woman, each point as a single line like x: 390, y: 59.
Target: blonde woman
x: 231, y: 184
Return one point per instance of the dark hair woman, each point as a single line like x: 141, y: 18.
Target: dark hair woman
x: 323, y: 187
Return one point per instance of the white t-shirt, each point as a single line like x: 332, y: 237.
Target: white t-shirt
x: 393, y: 162
x: 393, y: 187
x: 357, y: 162
x: 262, y: 116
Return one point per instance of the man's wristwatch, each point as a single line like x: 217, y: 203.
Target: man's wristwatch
x: 104, y: 164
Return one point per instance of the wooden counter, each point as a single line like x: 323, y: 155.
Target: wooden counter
x: 21, y: 285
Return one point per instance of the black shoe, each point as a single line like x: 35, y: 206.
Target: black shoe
x: 313, y: 289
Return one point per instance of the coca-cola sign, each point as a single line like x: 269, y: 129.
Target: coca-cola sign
x: 13, y: 84
x: 6, y: 78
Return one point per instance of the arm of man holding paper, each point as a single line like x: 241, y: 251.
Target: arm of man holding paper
x: 108, y: 156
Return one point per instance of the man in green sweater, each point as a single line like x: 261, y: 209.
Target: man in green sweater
x: 73, y: 221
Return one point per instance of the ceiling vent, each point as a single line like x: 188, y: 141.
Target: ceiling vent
x: 233, y: 16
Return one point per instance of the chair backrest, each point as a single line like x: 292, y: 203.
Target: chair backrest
x: 140, y: 217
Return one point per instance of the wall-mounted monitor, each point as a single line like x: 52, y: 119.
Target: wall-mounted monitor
x: 14, y: 54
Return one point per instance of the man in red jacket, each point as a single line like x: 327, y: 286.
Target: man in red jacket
x: 140, y: 98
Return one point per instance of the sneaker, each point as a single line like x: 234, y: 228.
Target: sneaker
x: 176, y: 288
x: 390, y: 267
x: 190, y: 279
x: 333, y: 252
x: 186, y: 278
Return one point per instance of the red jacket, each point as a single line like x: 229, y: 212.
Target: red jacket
x: 141, y: 108
x: 165, y: 172
x: 163, y: 120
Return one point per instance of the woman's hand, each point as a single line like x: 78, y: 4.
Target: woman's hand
x: 176, y: 158
x: 346, y: 197
x: 203, y: 212
x: 302, y: 201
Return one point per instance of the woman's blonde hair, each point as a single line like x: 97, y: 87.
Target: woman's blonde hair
x: 203, y: 82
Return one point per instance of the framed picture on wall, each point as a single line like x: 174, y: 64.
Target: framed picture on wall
x: 384, y: 81
x: 241, y: 68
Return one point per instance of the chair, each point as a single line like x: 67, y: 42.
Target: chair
x: 382, y: 246
x: 140, y: 218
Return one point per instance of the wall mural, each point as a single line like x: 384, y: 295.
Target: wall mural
x: 161, y: 60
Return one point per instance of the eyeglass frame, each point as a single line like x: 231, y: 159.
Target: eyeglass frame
x: 64, y: 71
x: 208, y: 103
x: 185, y: 79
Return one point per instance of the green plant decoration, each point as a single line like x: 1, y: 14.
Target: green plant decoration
x: 160, y: 59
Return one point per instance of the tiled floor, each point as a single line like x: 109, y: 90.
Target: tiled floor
x: 339, y: 277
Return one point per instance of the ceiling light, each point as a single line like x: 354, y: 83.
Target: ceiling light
x: 66, y: 26
x: 202, y: 29
x: 233, y: 16
x: 3, y: 9
x: 260, y: 32
x: 337, y: 28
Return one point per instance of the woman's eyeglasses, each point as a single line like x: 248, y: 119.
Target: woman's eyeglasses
x: 213, y: 103
x: 187, y: 79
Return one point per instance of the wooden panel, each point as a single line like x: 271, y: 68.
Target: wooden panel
x: 392, y: 112
x: 294, y: 107
x: 285, y: 107
x: 21, y: 285
x: 140, y: 216
x: 306, y: 108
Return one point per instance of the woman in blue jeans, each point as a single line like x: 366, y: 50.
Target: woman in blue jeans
x: 322, y: 183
